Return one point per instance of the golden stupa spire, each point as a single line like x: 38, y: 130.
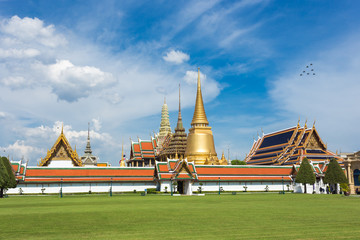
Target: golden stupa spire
x: 122, y: 162
x: 199, y: 117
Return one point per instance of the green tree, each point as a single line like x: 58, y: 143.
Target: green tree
x: 334, y: 174
x: 7, y: 176
x: 237, y: 162
x: 305, y: 174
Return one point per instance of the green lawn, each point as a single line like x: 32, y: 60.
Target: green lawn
x: 242, y: 216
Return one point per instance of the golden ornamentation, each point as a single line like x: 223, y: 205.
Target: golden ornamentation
x: 61, y: 150
x: 200, y: 147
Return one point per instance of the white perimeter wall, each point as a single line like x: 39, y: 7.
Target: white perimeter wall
x: 81, y: 187
x: 233, y: 186
x: 141, y: 186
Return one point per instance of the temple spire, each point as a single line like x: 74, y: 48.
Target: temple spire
x: 199, y: 117
x: 179, y: 123
x: 88, y: 147
x: 165, y: 122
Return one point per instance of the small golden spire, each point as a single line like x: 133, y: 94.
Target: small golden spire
x: 305, y: 124
x: 199, y: 112
x: 298, y: 123
x: 122, y: 162
x: 62, y: 128
x: 314, y: 123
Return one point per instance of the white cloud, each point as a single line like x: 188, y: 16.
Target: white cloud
x: 3, y: 115
x: 176, y: 57
x: 192, y: 76
x: 70, y: 82
x: 19, y: 150
x: 31, y: 30
x: 97, y: 124
x: 330, y: 96
x: 19, y: 53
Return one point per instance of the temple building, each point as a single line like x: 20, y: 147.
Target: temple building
x: 289, y: 147
x: 61, y: 154
x: 174, y: 145
x: 200, y: 147
x: 143, y: 153
x: 352, y: 167
x: 88, y: 158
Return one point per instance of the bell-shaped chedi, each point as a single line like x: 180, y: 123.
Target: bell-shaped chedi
x: 200, y: 147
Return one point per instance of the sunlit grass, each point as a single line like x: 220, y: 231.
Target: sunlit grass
x: 254, y: 216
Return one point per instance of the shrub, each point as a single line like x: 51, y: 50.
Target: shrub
x: 237, y: 162
x: 151, y: 191
x: 344, y: 187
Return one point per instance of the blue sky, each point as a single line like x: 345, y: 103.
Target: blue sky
x: 111, y: 63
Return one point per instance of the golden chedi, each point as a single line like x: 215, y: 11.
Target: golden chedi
x: 200, y: 147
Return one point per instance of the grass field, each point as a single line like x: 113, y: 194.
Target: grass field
x: 242, y: 216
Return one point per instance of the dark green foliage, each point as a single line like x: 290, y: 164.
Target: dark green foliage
x: 237, y: 162
x: 334, y: 174
x: 305, y: 174
x: 151, y: 191
x: 7, y: 176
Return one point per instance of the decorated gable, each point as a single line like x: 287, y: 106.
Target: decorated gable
x: 61, y: 151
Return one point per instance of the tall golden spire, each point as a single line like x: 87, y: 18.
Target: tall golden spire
x: 199, y: 117
x: 200, y: 147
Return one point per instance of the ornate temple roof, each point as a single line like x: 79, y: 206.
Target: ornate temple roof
x: 61, y: 150
x: 143, y: 149
x: 289, y: 146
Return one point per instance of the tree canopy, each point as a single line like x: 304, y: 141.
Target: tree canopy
x: 7, y: 176
x: 334, y: 174
x: 305, y: 174
x: 237, y: 162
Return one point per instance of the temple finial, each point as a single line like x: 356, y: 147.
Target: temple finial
x: 314, y: 123
x: 305, y: 124
x: 62, y: 127
x: 298, y: 124
x: 199, y: 113
x: 164, y: 99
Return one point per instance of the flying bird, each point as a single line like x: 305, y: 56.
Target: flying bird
x: 308, y: 70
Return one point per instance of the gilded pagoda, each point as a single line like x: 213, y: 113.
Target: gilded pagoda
x: 200, y: 147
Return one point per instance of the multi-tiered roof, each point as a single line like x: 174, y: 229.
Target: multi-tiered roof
x: 290, y: 146
x: 143, y: 152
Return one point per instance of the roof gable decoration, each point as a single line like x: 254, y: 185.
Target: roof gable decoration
x: 314, y: 141
x: 61, y: 150
x: 182, y: 170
